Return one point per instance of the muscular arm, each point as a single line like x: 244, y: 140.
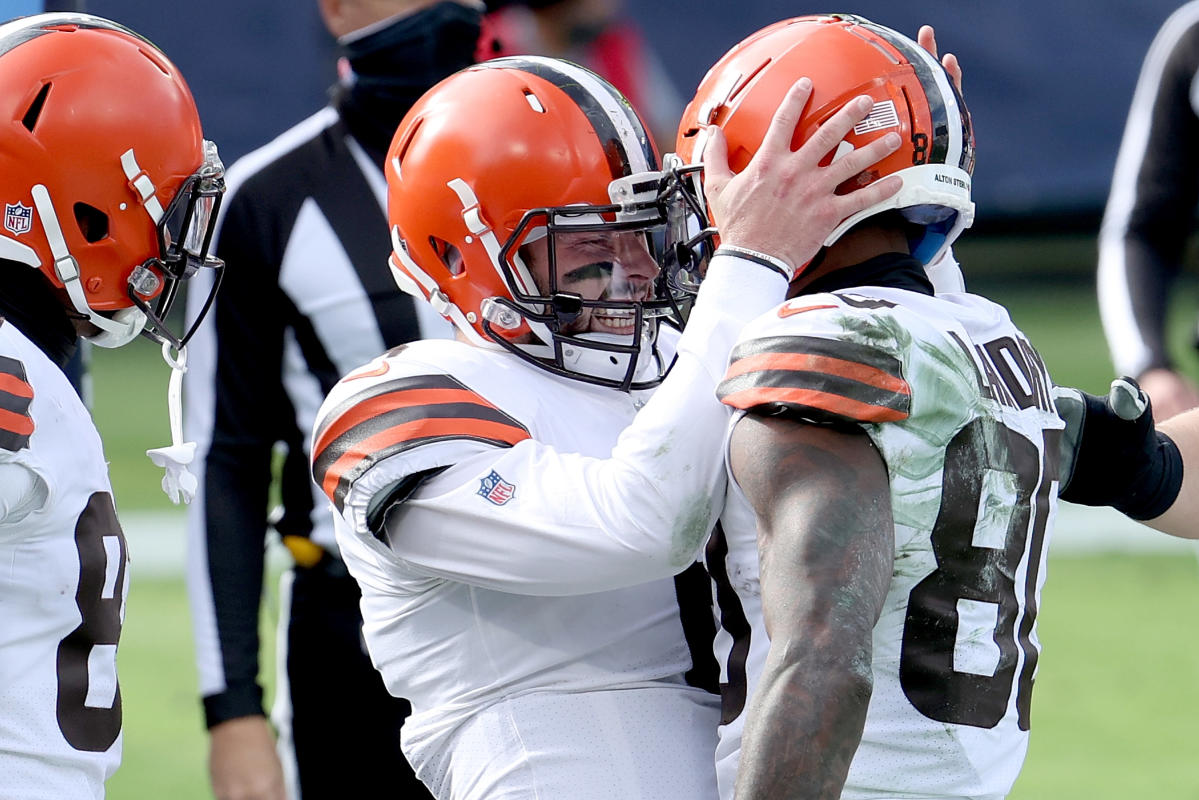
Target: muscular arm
x: 825, y: 539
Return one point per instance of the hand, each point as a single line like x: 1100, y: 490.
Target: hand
x: 927, y: 38
x: 784, y: 204
x: 242, y: 761
x: 1112, y: 455
x: 1171, y: 393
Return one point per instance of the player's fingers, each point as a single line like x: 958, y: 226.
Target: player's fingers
x: 844, y: 168
x: 867, y: 196
x: 1127, y: 398
x: 786, y: 117
x: 926, y: 37
x: 715, y: 158
x: 836, y: 127
x: 954, y: 68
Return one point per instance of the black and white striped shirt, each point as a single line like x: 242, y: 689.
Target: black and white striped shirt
x: 1151, y: 209
x: 307, y: 296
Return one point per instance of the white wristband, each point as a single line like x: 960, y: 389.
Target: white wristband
x: 770, y: 262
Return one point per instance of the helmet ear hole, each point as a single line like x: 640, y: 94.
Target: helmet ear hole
x: 448, y: 255
x: 92, y: 222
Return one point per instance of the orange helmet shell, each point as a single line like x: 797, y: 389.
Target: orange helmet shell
x: 480, y: 150
x: 844, y: 56
x: 77, y: 94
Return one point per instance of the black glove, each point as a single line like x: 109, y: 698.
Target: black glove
x: 1112, y: 455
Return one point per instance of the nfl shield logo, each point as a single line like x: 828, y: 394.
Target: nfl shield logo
x: 495, y: 489
x: 18, y: 218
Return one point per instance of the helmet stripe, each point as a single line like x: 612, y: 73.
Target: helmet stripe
x: 951, y: 127
x: 25, y: 29
x: 616, y: 124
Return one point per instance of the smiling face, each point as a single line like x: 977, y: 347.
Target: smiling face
x: 597, y: 266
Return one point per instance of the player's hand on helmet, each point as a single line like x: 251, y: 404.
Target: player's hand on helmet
x: 242, y: 761
x: 1112, y: 455
x: 927, y: 38
x: 784, y: 204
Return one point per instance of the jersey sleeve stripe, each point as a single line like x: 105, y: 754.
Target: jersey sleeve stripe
x: 818, y: 378
x: 16, y: 395
x: 15, y: 430
x: 415, y: 402
x: 807, y: 362
x: 820, y: 346
x: 815, y: 404
x: 14, y: 384
x: 416, y: 382
x: 400, y: 415
x: 338, y: 472
x: 463, y: 419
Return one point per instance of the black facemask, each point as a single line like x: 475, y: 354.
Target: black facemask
x: 396, y: 64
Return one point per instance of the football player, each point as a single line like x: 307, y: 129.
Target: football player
x: 894, y: 462
x: 109, y: 189
x: 510, y: 502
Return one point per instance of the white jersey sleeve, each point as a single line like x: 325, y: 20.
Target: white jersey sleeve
x: 582, y: 521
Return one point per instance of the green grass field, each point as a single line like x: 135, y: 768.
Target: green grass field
x: 1116, y: 712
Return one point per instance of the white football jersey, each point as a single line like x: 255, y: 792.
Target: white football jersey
x: 62, y: 590
x: 959, y: 405
x: 514, y: 544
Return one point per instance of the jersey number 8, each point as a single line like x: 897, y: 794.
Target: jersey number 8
x: 966, y: 571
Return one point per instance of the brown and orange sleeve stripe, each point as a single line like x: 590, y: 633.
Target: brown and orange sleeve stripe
x: 400, y: 415
x: 16, y: 395
x: 826, y: 380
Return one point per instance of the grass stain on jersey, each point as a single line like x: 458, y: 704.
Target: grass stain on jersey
x: 690, y: 530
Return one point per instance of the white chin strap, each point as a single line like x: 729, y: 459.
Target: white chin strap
x: 124, y: 326
x: 178, y: 483
x: 611, y: 366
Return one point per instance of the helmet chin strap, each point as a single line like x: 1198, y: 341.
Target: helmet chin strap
x: 178, y: 482
x: 118, y: 330
x: 608, y: 365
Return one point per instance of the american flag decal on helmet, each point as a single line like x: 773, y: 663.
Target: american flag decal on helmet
x: 826, y: 380
x: 16, y: 395
x: 400, y: 415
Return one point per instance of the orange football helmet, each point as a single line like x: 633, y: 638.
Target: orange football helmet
x: 846, y: 56
x: 108, y: 185
x: 513, y: 150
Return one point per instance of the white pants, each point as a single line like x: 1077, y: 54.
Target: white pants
x: 634, y: 744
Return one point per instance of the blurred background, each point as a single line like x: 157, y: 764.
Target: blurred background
x: 1049, y: 85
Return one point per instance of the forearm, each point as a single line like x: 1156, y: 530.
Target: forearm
x: 225, y: 579
x: 1182, y: 518
x: 824, y: 690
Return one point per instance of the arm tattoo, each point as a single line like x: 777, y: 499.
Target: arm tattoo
x: 825, y: 539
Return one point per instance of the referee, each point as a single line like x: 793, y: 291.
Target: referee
x: 1151, y: 213
x: 307, y: 297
